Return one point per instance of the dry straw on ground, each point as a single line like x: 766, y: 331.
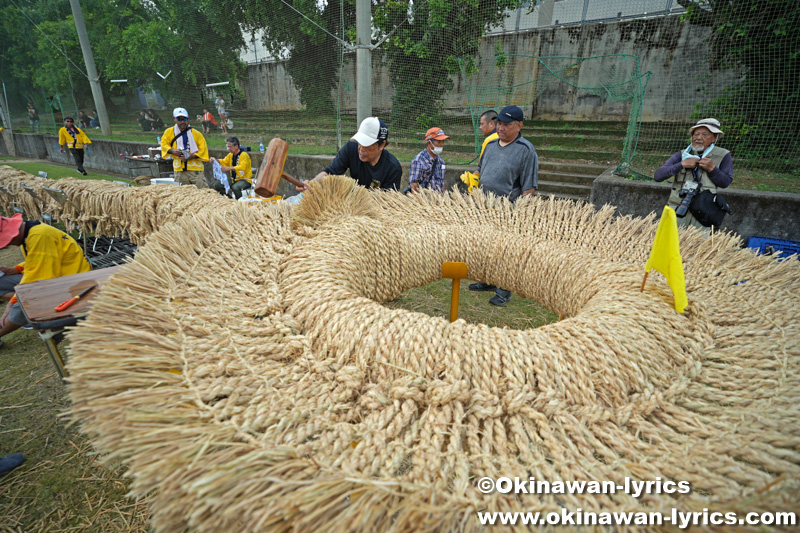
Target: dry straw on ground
x: 244, y: 367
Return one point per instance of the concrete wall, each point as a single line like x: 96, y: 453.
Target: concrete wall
x: 675, y: 52
x: 767, y: 214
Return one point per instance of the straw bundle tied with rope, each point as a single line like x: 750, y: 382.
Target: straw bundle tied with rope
x: 244, y: 368
x: 106, y: 208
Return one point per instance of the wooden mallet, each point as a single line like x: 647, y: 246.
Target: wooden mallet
x: 456, y: 271
x: 271, y: 170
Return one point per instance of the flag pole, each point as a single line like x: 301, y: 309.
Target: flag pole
x: 644, y: 281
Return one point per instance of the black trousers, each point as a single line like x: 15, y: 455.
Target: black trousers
x: 77, y: 153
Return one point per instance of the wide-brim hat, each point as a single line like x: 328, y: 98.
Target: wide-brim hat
x: 712, y: 124
x: 9, y: 228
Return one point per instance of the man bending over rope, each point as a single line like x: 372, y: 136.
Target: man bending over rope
x: 49, y: 253
x: 370, y: 164
x: 238, y: 167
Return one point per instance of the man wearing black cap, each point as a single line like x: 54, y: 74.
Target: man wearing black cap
x: 508, y: 167
x: 370, y: 164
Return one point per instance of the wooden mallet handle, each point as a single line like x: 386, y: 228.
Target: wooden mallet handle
x: 271, y: 170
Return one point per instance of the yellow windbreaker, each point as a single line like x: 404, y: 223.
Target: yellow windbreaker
x: 50, y: 253
x: 80, y: 140
x: 243, y: 168
x: 486, y: 141
x: 177, y: 165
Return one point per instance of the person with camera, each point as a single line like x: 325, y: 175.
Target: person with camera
x: 702, y: 166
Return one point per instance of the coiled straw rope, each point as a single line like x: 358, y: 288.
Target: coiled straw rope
x: 244, y: 368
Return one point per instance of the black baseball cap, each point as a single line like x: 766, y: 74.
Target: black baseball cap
x: 509, y: 113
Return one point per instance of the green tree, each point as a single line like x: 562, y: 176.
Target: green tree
x: 761, y: 40
x: 130, y: 39
x: 429, y: 39
x: 307, y: 34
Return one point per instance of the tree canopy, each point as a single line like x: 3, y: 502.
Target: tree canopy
x: 427, y: 41
x: 130, y: 39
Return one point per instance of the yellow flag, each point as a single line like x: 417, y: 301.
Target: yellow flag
x: 666, y: 257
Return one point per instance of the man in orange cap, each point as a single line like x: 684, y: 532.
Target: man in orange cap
x: 427, y: 168
x: 49, y: 253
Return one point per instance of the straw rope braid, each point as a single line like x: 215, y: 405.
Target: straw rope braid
x: 253, y: 380
x: 106, y: 208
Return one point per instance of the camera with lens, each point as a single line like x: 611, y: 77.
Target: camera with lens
x: 687, y: 192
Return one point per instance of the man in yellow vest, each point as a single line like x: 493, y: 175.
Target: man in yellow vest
x: 187, y: 148
x: 75, y: 139
x: 237, y: 166
x: 49, y: 253
x: 488, y: 126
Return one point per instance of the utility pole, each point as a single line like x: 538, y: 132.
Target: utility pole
x: 91, y: 70
x: 363, y: 59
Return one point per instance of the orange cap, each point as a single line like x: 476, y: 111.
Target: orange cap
x: 435, y: 133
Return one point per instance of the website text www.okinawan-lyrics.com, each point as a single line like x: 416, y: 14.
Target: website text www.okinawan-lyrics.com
x: 637, y: 488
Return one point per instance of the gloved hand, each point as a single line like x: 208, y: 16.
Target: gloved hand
x: 471, y: 179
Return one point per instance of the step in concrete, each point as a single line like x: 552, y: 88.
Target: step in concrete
x: 548, y: 187
x: 560, y: 196
x: 590, y: 154
x: 567, y: 177
x: 574, y: 168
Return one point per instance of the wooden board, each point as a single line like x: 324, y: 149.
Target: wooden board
x: 40, y: 298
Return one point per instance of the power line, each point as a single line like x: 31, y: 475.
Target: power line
x: 51, y: 41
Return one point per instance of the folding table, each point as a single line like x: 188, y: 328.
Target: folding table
x: 39, y: 299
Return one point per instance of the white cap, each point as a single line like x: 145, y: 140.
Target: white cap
x: 180, y: 112
x: 372, y: 130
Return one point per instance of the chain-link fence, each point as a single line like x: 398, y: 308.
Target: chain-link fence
x: 608, y: 83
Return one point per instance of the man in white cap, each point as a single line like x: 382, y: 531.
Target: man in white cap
x: 370, y: 164
x: 187, y: 148
x: 702, y: 162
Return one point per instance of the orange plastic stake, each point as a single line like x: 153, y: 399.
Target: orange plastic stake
x: 456, y: 271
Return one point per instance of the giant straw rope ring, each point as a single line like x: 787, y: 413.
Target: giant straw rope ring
x: 244, y: 368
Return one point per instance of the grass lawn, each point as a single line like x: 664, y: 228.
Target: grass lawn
x: 55, y: 172
x: 474, y: 307
x: 63, y: 487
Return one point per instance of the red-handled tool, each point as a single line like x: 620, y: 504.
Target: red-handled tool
x: 84, y: 292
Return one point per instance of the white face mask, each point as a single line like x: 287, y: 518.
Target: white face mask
x: 437, y: 149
